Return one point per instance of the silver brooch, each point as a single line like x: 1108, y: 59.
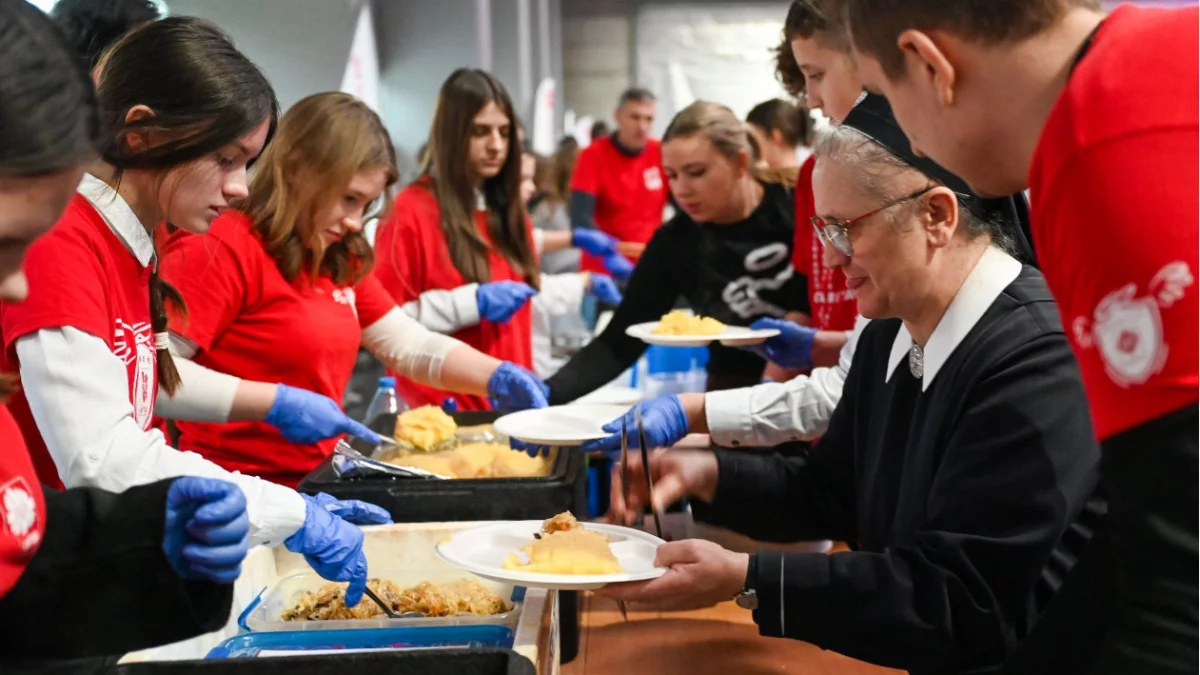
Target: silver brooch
x: 916, y: 361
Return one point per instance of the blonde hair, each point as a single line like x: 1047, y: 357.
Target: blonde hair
x: 322, y: 142
x: 729, y: 136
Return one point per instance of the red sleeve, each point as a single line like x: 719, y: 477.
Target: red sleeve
x: 802, y: 249
x: 399, y: 256
x: 586, y: 177
x: 67, y: 286
x: 371, y: 300
x: 210, y: 273
x: 1118, y: 224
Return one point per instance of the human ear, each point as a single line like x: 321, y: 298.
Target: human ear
x: 925, y: 58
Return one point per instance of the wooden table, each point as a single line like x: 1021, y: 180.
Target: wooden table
x: 716, y: 640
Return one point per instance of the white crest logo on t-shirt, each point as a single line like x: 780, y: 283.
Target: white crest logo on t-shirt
x: 134, y: 343
x: 1127, y: 327
x: 346, y: 296
x: 18, y: 513
x: 653, y: 179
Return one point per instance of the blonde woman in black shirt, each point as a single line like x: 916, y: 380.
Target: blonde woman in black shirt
x: 727, y: 253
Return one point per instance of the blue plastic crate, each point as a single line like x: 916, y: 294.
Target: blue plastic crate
x: 251, y: 645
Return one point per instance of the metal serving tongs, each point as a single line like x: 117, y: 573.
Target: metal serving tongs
x: 624, y: 491
x: 637, y: 414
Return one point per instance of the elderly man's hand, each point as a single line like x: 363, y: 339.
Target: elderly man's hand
x: 701, y: 572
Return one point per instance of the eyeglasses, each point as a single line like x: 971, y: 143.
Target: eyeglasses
x: 836, y: 233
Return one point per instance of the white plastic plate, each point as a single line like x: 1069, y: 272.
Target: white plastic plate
x: 561, y: 424
x: 482, y: 550
x: 732, y: 336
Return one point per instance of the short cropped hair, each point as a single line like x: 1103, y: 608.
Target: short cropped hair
x: 875, y: 24
x: 636, y: 95
x: 806, y: 19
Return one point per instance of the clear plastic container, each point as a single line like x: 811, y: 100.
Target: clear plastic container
x: 385, y: 401
x: 264, y: 614
x: 342, y: 642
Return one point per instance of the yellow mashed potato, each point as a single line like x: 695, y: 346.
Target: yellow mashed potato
x: 477, y: 460
x: 566, y: 551
x: 678, y: 322
x: 425, y: 428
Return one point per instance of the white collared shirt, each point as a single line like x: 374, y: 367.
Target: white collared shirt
x: 78, y: 393
x: 778, y: 412
x: 994, y: 272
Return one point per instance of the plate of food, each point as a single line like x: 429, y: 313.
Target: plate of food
x: 683, y: 329
x: 560, y: 425
x: 560, y: 553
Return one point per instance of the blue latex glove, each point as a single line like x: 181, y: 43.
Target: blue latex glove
x: 207, y: 531
x: 604, y: 290
x: 511, y: 387
x: 352, y: 510
x: 450, y: 405
x: 499, y: 300
x: 594, y: 242
x: 792, y: 348
x: 333, y: 547
x: 305, y: 417
x: 663, y: 419
x: 618, y: 266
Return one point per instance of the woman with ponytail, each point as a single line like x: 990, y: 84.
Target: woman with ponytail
x: 182, y: 115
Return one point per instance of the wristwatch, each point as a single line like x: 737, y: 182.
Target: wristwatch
x: 748, y: 597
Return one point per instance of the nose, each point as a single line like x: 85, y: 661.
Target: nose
x: 495, y: 140
x: 353, y: 222
x: 832, y: 257
x: 234, y: 186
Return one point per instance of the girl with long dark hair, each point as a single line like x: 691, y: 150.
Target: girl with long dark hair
x: 182, y: 116
x: 462, y: 222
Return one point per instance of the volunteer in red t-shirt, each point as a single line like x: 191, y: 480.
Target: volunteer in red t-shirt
x: 161, y: 571
x: 463, y: 222
x: 1098, y: 116
x: 618, y: 185
x: 282, y: 289
x: 91, y: 345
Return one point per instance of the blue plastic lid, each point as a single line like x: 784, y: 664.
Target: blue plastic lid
x: 387, y: 383
x: 251, y: 644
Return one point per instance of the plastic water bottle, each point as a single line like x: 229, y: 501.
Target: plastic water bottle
x: 385, y: 401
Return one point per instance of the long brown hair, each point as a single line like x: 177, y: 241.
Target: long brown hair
x: 204, y: 93
x: 728, y: 135
x: 322, y: 142
x: 463, y: 95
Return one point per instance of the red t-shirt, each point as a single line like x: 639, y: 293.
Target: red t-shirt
x: 412, y: 257
x: 250, y: 322
x: 1115, y: 214
x: 630, y: 192
x: 22, y: 510
x: 82, y: 276
x: 834, y: 306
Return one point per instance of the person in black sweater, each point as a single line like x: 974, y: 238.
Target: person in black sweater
x: 960, y: 462
x: 727, y: 253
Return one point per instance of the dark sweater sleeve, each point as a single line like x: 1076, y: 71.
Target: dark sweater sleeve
x: 651, y: 292
x: 956, y: 594
x: 582, y: 209
x: 100, y: 583
x: 787, y: 499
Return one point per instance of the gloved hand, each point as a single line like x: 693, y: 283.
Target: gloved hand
x: 207, y: 531
x: 594, y: 242
x: 511, y: 387
x: 333, y: 547
x: 305, y: 417
x: 663, y: 420
x: 792, y: 348
x: 604, y: 290
x: 499, y: 300
x: 618, y: 266
x: 352, y: 510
